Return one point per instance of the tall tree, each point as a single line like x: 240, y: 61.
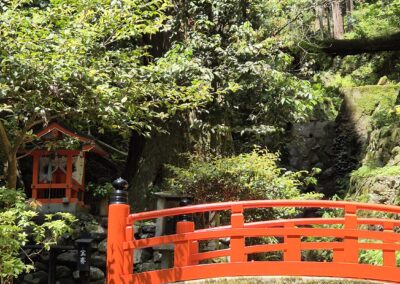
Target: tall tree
x: 248, y: 50
x: 81, y: 60
x: 337, y: 19
x: 349, y: 12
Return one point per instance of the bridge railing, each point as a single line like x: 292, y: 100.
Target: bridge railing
x: 345, y: 237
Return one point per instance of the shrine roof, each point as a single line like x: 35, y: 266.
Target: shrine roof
x: 54, y: 129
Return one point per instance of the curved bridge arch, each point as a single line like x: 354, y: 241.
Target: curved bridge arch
x: 355, y: 230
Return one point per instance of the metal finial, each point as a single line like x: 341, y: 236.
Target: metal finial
x: 120, y: 194
x: 185, y: 202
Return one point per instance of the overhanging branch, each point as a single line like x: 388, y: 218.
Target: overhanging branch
x: 358, y: 46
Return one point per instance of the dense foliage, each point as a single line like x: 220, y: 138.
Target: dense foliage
x: 255, y: 175
x: 236, y: 70
x: 19, y: 227
x: 367, y: 14
x: 83, y: 61
x: 249, y: 51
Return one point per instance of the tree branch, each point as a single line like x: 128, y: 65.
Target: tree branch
x: 292, y: 20
x: 20, y: 138
x: 358, y: 46
x: 37, y: 122
x: 4, y: 140
x: 109, y: 146
x: 26, y: 154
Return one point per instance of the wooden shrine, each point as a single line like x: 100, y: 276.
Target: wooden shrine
x: 59, y: 174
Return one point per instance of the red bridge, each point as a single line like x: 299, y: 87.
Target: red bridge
x: 357, y: 229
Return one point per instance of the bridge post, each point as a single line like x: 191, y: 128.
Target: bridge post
x: 183, y: 250
x: 118, y: 211
x: 293, y: 244
x: 237, y: 242
x: 350, y: 253
x: 389, y: 255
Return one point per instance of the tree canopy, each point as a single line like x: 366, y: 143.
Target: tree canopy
x: 240, y: 64
x: 84, y: 61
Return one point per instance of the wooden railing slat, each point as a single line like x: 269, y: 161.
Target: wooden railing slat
x: 345, y: 236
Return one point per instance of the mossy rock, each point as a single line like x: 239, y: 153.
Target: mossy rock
x: 376, y: 185
x: 359, y: 106
x: 368, y: 98
x: 366, y: 171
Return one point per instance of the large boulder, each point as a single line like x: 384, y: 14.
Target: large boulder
x: 39, y: 277
x: 102, y: 246
x: 69, y: 257
x: 98, y: 233
x: 96, y: 274
x: 63, y: 272
x: 98, y: 260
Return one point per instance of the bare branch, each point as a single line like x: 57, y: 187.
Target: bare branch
x: 27, y: 153
x: 109, y: 146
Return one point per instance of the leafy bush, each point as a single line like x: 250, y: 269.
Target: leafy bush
x: 365, y: 17
x: 18, y: 228
x: 255, y: 175
x: 374, y: 257
x: 251, y: 176
x: 100, y: 191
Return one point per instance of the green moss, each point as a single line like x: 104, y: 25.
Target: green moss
x: 367, y: 98
x: 367, y: 171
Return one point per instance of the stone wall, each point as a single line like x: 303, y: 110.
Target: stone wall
x: 66, y: 261
x: 312, y: 146
x: 359, y: 152
x: 377, y: 178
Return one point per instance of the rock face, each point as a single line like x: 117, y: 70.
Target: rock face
x: 373, y: 114
x: 364, y: 136
x: 378, y: 189
x: 312, y: 146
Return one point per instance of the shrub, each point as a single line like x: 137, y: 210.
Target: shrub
x: 18, y: 228
x: 255, y: 175
x: 250, y: 176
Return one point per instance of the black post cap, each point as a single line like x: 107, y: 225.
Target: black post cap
x: 120, y: 184
x: 185, y: 202
x: 120, y: 194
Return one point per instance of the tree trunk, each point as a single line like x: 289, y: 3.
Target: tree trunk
x: 337, y: 19
x: 328, y: 20
x: 319, y: 11
x: 349, y: 12
x: 358, y: 46
x: 136, y: 147
x: 12, y: 170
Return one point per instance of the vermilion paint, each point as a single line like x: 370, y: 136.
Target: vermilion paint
x: 349, y: 240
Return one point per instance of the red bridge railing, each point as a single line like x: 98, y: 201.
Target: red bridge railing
x: 347, y: 236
